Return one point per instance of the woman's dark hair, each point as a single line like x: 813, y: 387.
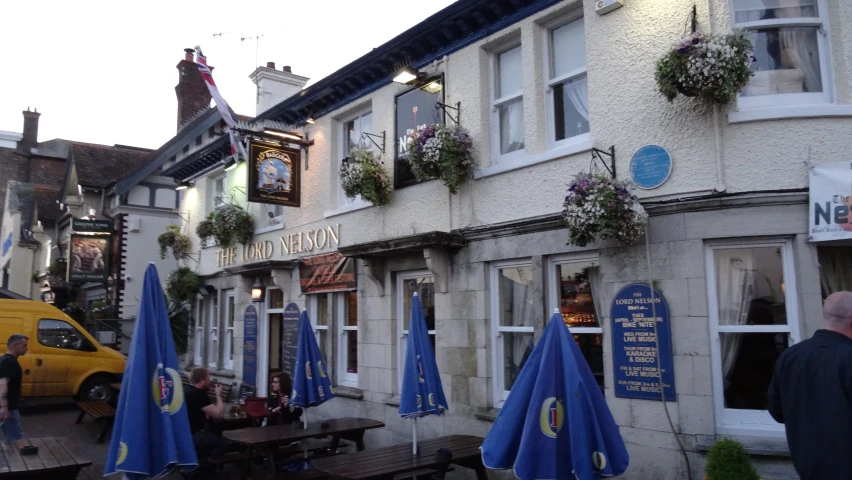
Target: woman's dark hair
x: 284, y: 382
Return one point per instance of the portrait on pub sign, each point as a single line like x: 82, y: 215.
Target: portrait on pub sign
x: 274, y: 174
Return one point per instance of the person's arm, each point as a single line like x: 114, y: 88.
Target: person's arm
x: 775, y: 406
x: 4, y: 402
x: 217, y: 411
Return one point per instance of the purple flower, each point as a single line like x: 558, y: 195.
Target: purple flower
x: 695, y: 41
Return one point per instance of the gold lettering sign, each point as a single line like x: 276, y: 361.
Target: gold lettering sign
x: 291, y: 244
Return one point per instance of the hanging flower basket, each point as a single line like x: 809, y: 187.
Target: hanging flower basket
x: 175, y: 240
x: 362, y: 174
x: 182, y: 285
x: 599, y: 206
x: 439, y: 151
x: 712, y: 68
x: 228, y: 225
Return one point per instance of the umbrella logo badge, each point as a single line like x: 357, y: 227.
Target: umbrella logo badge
x: 431, y: 399
x: 122, y: 453
x: 321, y: 392
x: 308, y: 371
x: 167, y: 392
x: 599, y: 460
x: 320, y: 369
x: 420, y: 370
x: 551, y: 418
x: 419, y: 401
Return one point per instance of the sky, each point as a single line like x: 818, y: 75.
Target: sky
x: 104, y: 72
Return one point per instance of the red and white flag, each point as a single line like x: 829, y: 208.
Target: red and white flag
x: 221, y: 104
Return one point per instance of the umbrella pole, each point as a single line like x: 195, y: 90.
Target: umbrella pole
x: 305, y: 423
x: 414, y: 445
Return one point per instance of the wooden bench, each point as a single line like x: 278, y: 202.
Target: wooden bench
x: 98, y: 410
x: 283, y: 451
x: 309, y: 474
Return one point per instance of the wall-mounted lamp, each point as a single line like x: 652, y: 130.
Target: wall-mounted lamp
x: 279, y: 133
x: 310, y: 120
x: 407, y: 75
x: 230, y: 164
x: 183, y: 186
x: 258, y: 291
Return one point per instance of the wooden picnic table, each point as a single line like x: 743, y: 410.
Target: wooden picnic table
x: 57, y: 458
x: 387, y: 462
x: 270, y: 437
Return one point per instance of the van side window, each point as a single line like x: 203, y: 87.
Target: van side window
x: 60, y: 334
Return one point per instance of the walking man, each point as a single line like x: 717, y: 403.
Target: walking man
x: 10, y: 388
x: 811, y: 394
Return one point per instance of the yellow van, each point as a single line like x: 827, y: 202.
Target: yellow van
x: 63, y: 359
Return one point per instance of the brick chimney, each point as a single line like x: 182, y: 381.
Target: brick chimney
x: 192, y: 93
x: 274, y: 86
x: 30, y: 136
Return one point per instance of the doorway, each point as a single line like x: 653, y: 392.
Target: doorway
x: 275, y: 319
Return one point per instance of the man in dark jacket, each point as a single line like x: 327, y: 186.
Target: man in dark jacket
x: 811, y: 394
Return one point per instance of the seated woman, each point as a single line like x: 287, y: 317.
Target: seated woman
x: 278, y: 402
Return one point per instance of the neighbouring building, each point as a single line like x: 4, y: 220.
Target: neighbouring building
x: 541, y: 86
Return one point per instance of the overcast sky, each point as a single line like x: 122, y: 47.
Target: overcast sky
x: 104, y: 71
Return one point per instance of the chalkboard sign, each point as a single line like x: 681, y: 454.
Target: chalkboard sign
x: 635, y: 345
x: 289, y: 338
x: 250, y: 346
x: 650, y: 166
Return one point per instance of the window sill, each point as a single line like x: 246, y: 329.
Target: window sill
x: 348, y: 392
x: 347, y: 208
x: 754, y: 445
x: 270, y: 228
x: 789, y: 111
x: 489, y: 415
x: 223, y: 373
x: 580, y: 146
x: 393, y: 400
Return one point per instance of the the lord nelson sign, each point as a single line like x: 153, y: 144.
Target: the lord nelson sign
x: 292, y: 244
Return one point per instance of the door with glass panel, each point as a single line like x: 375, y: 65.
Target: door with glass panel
x: 409, y: 283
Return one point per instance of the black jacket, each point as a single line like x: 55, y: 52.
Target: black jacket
x: 811, y: 393
x: 285, y: 415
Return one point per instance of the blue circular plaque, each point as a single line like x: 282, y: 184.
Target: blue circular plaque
x: 650, y: 166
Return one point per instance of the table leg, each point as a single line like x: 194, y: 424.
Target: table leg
x: 359, y: 440
x: 474, y: 464
x: 270, y: 460
x: 107, y: 425
x: 247, y: 463
x: 80, y: 417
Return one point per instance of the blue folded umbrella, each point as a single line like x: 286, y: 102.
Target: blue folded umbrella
x: 422, y: 391
x: 311, y: 384
x: 555, y: 423
x: 151, y: 434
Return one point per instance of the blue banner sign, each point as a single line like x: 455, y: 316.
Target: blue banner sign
x: 250, y: 346
x: 641, y: 334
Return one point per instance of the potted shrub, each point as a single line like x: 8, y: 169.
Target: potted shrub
x: 228, y: 225
x: 182, y: 285
x: 361, y: 173
x: 714, y: 68
x: 439, y: 151
x: 599, y: 206
x: 58, y: 267
x: 175, y: 240
x: 728, y: 460
x: 100, y: 310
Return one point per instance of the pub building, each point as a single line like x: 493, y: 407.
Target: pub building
x: 546, y: 89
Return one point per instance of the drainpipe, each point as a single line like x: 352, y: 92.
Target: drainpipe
x: 720, y: 166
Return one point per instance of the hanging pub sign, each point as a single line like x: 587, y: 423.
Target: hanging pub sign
x: 830, y: 202
x: 416, y: 109
x: 642, y: 344
x: 89, y: 258
x: 331, y: 272
x: 82, y: 225
x: 274, y: 174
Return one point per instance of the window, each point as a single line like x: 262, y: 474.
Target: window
x: 753, y: 319
x: 218, y: 191
x: 60, y: 334
x: 353, y: 136
x: 229, y: 331
x: 348, y: 321
x: 567, y: 88
x: 198, y: 141
x: 199, y: 333
x: 211, y: 132
x: 574, y: 291
x: 508, y: 103
x: 791, y: 51
x: 422, y: 283
x: 213, y: 330
x: 319, y: 305
x: 512, y: 323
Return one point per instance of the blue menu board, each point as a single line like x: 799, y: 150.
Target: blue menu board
x: 636, y: 344
x: 250, y: 346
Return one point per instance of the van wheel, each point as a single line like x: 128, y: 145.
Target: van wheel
x: 96, y: 388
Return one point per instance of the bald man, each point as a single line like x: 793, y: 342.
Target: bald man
x: 811, y: 394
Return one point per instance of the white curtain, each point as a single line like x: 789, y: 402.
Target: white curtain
x: 835, y: 269
x: 578, y: 92
x: 517, y: 305
x: 595, y: 284
x: 735, y: 291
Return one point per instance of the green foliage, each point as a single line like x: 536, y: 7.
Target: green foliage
x: 362, y: 174
x: 173, y: 238
x: 182, y: 285
x: 58, y: 267
x: 228, y: 225
x: 728, y: 460
x: 179, y: 322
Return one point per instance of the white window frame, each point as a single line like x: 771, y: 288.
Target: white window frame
x: 825, y: 64
x: 314, y: 310
x: 198, y: 340
x: 213, y: 193
x: 400, y: 317
x: 230, y: 310
x: 342, y: 199
x: 735, y: 421
x: 500, y: 395
x: 343, y: 377
x: 213, y: 318
x: 504, y: 99
x: 550, y: 81
x: 553, y: 286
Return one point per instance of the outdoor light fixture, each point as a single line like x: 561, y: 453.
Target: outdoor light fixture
x: 433, y: 87
x: 281, y: 134
x: 230, y: 164
x: 183, y: 186
x: 406, y: 75
x: 257, y: 291
x: 310, y: 120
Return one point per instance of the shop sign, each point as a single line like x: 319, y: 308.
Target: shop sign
x: 81, y: 225
x: 830, y: 202
x: 250, y: 346
x: 416, y: 109
x: 642, y: 344
x: 89, y: 258
x: 274, y: 174
x: 290, y: 338
x: 292, y: 244
x: 327, y: 273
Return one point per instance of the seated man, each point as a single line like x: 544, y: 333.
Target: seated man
x: 199, y: 409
